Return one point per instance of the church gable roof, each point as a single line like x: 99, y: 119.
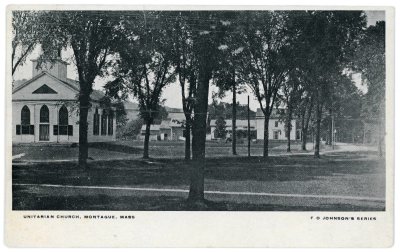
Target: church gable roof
x: 26, y: 83
x: 45, y: 89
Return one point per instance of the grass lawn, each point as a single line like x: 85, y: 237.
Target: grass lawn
x: 134, y: 149
x: 341, y: 176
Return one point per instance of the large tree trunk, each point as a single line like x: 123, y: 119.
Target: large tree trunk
x: 187, y: 140
x: 318, y: 133
x: 304, y: 138
x: 83, y: 130
x: 303, y: 121
x: 234, y: 116
x: 329, y: 138
x: 146, y: 140
x: 266, y: 135
x: 199, y: 127
x: 304, y: 131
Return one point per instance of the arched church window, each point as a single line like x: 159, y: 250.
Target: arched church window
x: 63, y: 121
x: 111, y: 123
x: 44, y: 114
x: 96, y: 122
x: 104, y: 117
x: 25, y: 116
x: 63, y: 116
x: 25, y: 128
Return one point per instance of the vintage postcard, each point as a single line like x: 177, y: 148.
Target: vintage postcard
x: 199, y: 126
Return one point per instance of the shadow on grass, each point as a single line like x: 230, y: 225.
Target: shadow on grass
x: 109, y: 146
x: 168, y: 172
x: 115, y: 173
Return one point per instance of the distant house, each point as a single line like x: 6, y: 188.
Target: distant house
x: 175, y: 122
x: 154, y: 132
x: 276, y: 127
x: 241, y: 128
x: 170, y: 128
x: 44, y: 109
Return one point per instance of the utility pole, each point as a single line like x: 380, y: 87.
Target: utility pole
x: 333, y: 132
x: 234, y: 115
x: 248, y: 125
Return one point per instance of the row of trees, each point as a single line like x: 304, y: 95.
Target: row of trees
x: 297, y: 57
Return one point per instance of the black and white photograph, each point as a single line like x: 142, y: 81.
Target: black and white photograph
x: 198, y: 110
x: 185, y: 110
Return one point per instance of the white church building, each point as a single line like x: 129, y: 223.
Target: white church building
x: 44, y: 109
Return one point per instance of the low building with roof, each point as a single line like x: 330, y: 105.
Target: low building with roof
x: 154, y: 132
x: 171, y: 128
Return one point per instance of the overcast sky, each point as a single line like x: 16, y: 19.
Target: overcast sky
x: 172, y: 93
